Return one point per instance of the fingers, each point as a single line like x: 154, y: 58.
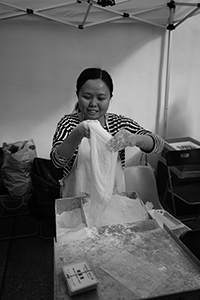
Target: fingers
x: 86, y: 129
x: 115, y: 144
x: 83, y: 130
x: 121, y: 140
x: 87, y: 133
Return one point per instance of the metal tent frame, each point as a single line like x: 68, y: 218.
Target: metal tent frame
x: 167, y: 18
x: 171, y: 26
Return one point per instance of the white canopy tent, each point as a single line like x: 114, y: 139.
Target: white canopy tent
x: 85, y: 13
x: 82, y: 14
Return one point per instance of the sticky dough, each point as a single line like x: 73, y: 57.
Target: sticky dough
x: 105, y: 172
x: 103, y: 163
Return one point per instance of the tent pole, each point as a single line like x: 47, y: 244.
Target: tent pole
x: 172, y: 5
x: 127, y: 15
x: 167, y: 83
x: 186, y: 4
x: 12, y: 15
x: 170, y: 27
x: 86, y: 15
x: 188, y: 16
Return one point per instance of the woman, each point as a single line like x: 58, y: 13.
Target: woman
x: 94, y: 91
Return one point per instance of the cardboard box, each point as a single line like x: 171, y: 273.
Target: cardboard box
x: 69, y: 215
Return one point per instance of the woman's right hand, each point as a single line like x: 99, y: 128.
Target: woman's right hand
x: 70, y: 144
x: 83, y: 129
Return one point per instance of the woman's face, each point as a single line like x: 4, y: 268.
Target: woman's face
x: 94, y: 99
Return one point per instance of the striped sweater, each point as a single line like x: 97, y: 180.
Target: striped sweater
x: 114, y: 123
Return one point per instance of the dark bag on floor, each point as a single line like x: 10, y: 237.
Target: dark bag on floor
x: 46, y: 188
x: 16, y: 168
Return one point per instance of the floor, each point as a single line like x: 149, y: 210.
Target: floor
x: 26, y: 264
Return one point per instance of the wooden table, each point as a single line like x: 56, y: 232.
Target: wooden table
x: 131, y: 261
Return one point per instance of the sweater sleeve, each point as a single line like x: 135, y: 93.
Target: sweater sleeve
x: 118, y: 122
x: 63, y: 129
x: 158, y: 143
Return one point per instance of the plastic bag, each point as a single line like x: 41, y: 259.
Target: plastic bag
x: 17, y: 163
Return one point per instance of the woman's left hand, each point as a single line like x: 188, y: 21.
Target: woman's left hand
x: 121, y: 140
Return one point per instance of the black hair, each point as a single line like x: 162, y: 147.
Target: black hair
x: 94, y: 73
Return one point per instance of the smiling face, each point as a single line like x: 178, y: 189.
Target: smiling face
x: 94, y: 99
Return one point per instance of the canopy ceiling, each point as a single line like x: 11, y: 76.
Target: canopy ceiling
x: 85, y: 13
